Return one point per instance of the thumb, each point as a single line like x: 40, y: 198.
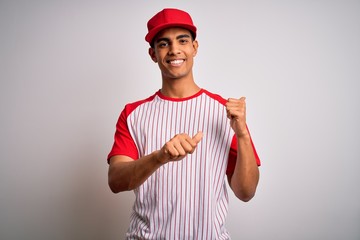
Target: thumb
x: 198, y: 137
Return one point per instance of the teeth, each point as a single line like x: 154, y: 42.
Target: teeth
x: 176, y: 62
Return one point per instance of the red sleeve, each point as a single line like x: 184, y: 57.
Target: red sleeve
x: 233, y: 155
x: 123, y: 142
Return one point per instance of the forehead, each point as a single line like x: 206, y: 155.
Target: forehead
x: 172, y: 32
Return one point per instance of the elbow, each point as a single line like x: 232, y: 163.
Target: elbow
x: 117, y: 187
x: 244, y: 189
x: 114, y: 188
x: 116, y: 183
x: 245, y: 193
x: 245, y: 196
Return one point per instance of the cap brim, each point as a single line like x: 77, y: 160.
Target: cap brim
x: 150, y: 36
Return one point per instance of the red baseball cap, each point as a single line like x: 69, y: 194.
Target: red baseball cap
x: 169, y: 17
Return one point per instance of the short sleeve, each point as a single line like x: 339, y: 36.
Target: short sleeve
x: 123, y: 142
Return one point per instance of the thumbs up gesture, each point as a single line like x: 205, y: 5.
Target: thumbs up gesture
x: 236, y: 112
x: 179, y: 147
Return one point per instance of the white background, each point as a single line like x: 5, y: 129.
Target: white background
x: 68, y: 67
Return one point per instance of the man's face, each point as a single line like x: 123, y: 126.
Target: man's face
x: 174, y: 51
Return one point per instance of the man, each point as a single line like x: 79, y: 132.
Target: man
x: 175, y: 148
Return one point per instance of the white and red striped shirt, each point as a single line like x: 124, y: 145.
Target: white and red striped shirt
x: 185, y: 199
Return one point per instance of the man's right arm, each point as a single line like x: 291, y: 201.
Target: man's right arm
x: 126, y: 173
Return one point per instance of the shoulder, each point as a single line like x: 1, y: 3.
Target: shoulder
x: 130, y: 107
x: 215, y: 96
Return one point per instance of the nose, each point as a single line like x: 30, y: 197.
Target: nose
x: 174, y: 49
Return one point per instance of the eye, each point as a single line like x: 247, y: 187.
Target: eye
x: 183, y: 40
x: 162, y: 44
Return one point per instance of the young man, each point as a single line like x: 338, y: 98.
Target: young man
x: 175, y: 148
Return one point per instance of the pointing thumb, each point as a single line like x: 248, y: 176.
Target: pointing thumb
x: 198, y: 137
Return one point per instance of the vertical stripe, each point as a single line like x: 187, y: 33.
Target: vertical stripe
x: 185, y: 199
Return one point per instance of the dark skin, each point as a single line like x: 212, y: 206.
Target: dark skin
x: 174, y: 51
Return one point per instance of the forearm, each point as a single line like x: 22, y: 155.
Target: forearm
x: 246, y: 173
x: 128, y: 175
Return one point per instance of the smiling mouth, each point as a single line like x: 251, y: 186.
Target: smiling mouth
x: 176, y: 62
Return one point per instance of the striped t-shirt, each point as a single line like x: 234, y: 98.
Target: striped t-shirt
x: 185, y: 199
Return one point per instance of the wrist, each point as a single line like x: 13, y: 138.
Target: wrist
x: 243, y: 136
x: 158, y: 157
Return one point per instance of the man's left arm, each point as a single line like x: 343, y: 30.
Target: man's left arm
x: 244, y: 180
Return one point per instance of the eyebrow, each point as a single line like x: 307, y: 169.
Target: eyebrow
x: 177, y: 38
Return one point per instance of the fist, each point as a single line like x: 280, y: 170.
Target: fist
x: 236, y: 112
x: 179, y: 147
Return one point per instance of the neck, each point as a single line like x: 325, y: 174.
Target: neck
x: 176, y: 88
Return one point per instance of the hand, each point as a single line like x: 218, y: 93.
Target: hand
x: 178, y: 147
x: 236, y: 112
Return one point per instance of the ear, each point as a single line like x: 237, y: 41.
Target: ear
x: 196, y: 46
x: 152, y: 54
